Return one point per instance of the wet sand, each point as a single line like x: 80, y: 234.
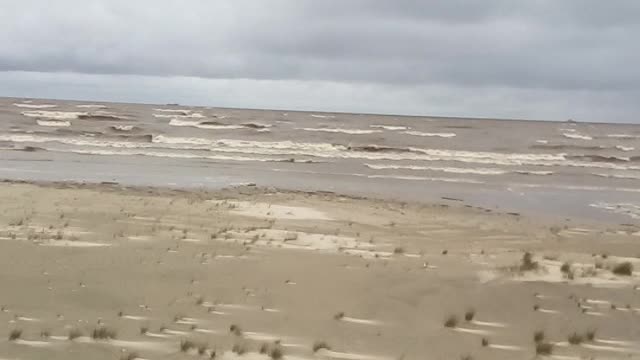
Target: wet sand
x: 288, y: 270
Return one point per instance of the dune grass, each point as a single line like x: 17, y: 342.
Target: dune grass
x: 469, y: 314
x: 74, y: 333
x: 451, y: 321
x: 15, y: 334
x: 624, y: 269
x: 319, y: 345
x: 103, y: 333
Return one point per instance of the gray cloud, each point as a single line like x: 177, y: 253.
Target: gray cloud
x: 546, y: 46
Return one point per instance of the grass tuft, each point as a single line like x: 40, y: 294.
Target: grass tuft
x: 103, y: 333
x: 74, y: 333
x: 625, y: 269
x: 575, y: 339
x: 235, y: 329
x: 451, y: 321
x: 129, y: 356
x: 186, y: 345
x: 469, y: 314
x: 15, y: 334
x: 239, y: 349
x: 544, y: 348
x: 319, y: 345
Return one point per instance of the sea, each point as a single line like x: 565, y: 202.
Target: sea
x: 554, y: 169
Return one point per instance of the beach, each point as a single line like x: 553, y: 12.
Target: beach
x: 106, y: 271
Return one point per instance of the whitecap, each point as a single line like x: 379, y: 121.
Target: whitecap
x: 419, y: 133
x: 53, y: 123
x: 35, y: 106
x: 577, y: 136
x: 390, y: 127
x: 56, y: 115
x: 344, y: 131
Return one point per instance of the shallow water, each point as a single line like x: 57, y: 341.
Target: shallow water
x: 561, y: 169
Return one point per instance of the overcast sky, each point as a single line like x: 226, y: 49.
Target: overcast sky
x: 536, y: 59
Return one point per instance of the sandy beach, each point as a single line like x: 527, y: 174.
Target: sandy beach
x: 109, y: 272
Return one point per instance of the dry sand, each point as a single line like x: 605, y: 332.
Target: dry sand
x: 367, y: 277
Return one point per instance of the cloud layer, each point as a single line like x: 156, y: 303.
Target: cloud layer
x: 516, y: 51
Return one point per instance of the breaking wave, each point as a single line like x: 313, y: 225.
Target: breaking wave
x: 389, y: 127
x: 34, y: 106
x: 419, y: 133
x: 577, y: 136
x: 344, y: 131
x: 54, y: 123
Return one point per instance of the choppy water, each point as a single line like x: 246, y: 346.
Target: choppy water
x: 572, y: 169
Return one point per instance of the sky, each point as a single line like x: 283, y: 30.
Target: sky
x: 535, y: 59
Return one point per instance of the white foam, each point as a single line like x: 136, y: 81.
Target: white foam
x: 173, y: 110
x: 625, y: 148
x: 35, y: 106
x: 422, y: 178
x: 123, y: 127
x: 577, y: 136
x: 180, y: 116
x: 323, y: 116
x: 623, y: 136
x: 323, y: 150
x: 390, y: 127
x: 91, y: 106
x: 54, y: 123
x: 628, y: 209
x: 200, y: 125
x: 55, y: 115
x: 478, y: 171
x: 419, y: 133
x: 542, y: 141
x: 344, y: 131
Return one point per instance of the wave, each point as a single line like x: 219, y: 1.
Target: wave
x: 577, y: 136
x: 599, y: 158
x: 619, y: 176
x: 629, y: 209
x: 91, y: 106
x: 623, y: 136
x: 323, y: 116
x: 328, y: 151
x: 344, y: 131
x: 101, y: 116
x: 420, y: 178
x: 258, y: 126
x: 35, y: 106
x: 182, y: 111
x: 580, y: 147
x: 175, y: 155
x: 183, y: 115
x: 389, y: 127
x: 455, y: 170
x: 126, y: 128
x: 55, y: 115
x: 418, y: 133
x: 55, y: 123
x: 209, y: 125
